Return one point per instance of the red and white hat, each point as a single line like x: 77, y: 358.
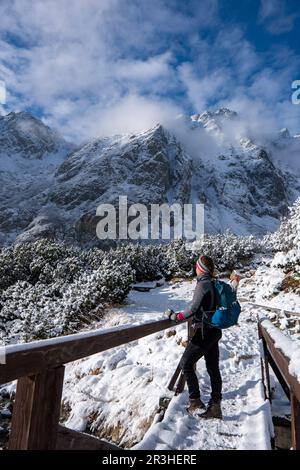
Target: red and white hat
x: 201, y: 267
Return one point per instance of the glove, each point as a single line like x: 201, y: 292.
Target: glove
x: 171, y: 314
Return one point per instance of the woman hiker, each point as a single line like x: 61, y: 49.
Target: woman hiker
x: 205, y: 341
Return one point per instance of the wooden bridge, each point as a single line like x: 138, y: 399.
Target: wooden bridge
x: 39, y: 370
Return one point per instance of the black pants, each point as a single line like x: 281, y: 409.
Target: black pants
x: 207, y: 346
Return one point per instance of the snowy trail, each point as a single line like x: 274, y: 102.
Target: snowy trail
x: 246, y: 422
x: 116, y: 393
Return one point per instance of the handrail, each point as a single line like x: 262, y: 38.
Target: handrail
x: 281, y: 360
x: 290, y: 384
x: 31, y: 358
x: 268, y: 307
x: 39, y: 368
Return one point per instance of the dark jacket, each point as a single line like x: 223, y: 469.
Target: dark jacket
x: 204, y: 298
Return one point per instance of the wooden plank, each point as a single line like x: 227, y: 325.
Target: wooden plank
x: 279, y: 376
x: 282, y: 363
x: 290, y: 384
x: 36, y: 411
x: 272, y: 309
x: 295, y: 423
x: 266, y: 370
x: 68, y: 439
x: 29, y: 359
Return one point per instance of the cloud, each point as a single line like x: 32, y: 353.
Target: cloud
x: 91, y: 67
x: 130, y: 114
x: 75, y: 62
x: 144, y: 70
x: 208, y: 88
x: 273, y: 14
x: 256, y: 85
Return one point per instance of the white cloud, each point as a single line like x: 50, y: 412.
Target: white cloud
x: 78, y: 59
x: 130, y: 114
x: 257, y: 86
x: 273, y: 15
x: 144, y: 70
x: 134, y: 113
x: 210, y: 87
x: 110, y: 66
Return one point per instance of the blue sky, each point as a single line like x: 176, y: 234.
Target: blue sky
x: 98, y: 67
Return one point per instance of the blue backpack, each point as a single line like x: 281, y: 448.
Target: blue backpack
x: 228, y: 308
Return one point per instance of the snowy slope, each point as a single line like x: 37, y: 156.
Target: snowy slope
x: 115, y: 394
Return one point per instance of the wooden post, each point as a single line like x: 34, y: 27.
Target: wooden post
x: 267, y: 370
x: 295, y: 417
x: 36, y: 411
x: 264, y: 362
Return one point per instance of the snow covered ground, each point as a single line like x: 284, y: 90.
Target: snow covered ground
x: 116, y: 394
x: 264, y: 287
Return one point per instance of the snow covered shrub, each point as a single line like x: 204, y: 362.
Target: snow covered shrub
x: 49, y: 289
x: 286, y: 242
x: 146, y: 261
x: 179, y: 260
x: 111, y: 282
x: 38, y: 261
x: 288, y: 236
x: 229, y: 251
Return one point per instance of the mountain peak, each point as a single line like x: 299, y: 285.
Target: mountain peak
x: 27, y: 136
x: 284, y: 133
x: 219, y: 113
x: 21, y: 115
x: 226, y: 112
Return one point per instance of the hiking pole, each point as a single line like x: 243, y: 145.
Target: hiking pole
x: 182, y: 380
x: 178, y: 371
x: 174, y: 378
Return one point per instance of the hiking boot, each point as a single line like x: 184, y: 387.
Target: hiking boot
x: 213, y: 410
x: 195, y: 405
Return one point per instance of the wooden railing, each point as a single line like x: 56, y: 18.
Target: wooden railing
x: 280, y: 364
x: 39, y: 370
x: 271, y: 308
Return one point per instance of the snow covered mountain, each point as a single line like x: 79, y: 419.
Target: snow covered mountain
x: 50, y: 187
x: 29, y: 154
x: 22, y: 135
x: 244, y: 187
